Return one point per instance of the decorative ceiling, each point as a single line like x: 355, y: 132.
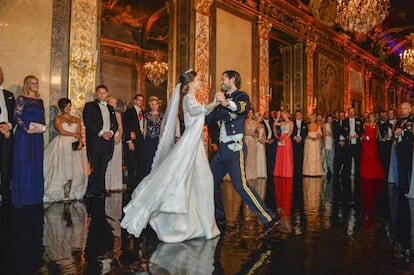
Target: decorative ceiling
x: 386, y: 41
x: 145, y: 23
x: 138, y: 22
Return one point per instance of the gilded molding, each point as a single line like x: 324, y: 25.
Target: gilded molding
x: 83, y: 52
x: 368, y: 92
x: 264, y: 93
x: 203, y: 6
x: 310, y: 48
x: 202, y: 54
x: 264, y: 27
x: 290, y: 19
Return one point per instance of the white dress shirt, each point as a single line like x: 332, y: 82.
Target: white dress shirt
x: 4, y: 117
x: 141, y: 120
x: 106, y: 126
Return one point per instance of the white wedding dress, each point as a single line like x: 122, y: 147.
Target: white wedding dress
x: 62, y: 164
x: 177, y: 197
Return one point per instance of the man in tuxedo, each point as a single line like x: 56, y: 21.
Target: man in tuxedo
x: 354, y: 128
x: 100, y: 122
x: 7, y: 123
x: 270, y: 143
x: 134, y: 139
x: 339, y: 137
x: 230, y: 158
x: 300, y: 131
x: 403, y: 133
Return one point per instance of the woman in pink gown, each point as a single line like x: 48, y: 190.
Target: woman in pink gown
x: 284, y: 156
x: 370, y: 165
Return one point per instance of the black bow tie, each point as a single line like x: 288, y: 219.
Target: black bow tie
x: 228, y: 96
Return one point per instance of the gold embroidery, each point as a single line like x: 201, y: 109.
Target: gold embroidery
x: 242, y: 107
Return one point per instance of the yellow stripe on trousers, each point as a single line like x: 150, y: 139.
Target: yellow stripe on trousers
x: 247, y: 189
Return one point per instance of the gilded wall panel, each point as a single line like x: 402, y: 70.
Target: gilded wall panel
x: 264, y: 93
x: 378, y: 92
x: 83, y: 52
x: 202, y: 56
x: 329, y: 89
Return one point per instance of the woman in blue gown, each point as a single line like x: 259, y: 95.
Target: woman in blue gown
x: 153, y: 121
x: 27, y: 176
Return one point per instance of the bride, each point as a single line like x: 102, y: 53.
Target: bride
x: 176, y: 198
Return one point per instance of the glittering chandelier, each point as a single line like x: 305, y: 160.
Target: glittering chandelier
x: 361, y: 15
x: 407, y: 61
x: 156, y: 71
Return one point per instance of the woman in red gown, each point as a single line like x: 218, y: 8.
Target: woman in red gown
x: 370, y: 165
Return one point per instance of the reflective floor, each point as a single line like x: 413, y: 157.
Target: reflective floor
x: 324, y: 230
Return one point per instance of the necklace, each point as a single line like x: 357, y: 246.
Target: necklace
x: 69, y: 121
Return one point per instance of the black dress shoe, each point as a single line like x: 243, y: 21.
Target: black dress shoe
x: 270, y: 226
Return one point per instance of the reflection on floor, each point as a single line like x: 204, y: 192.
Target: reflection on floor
x: 324, y: 230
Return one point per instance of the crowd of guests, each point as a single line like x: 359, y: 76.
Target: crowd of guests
x: 85, y: 160
x: 342, y: 145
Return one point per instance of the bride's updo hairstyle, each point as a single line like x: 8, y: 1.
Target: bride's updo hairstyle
x: 185, y: 79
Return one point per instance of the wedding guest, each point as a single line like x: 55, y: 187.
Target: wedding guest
x: 299, y: 133
x: 312, y: 164
x: 261, y: 149
x: 370, y: 167
x: 250, y: 136
x: 284, y: 158
x: 328, y: 143
x: 134, y: 139
x: 113, y: 176
x: 152, y: 131
x: 101, y: 126
x: 353, y: 130
x: 7, y: 103
x: 27, y: 175
x: 339, y: 136
x: 65, y: 165
x: 270, y: 142
x: 384, y: 140
x: 405, y: 138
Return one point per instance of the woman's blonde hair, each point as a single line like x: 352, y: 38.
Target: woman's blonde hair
x: 26, y: 83
x: 154, y: 98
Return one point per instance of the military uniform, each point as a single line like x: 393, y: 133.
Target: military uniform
x: 405, y: 150
x: 231, y: 155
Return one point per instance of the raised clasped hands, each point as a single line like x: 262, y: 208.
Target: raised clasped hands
x: 221, y: 98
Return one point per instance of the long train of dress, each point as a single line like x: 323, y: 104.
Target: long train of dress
x: 176, y: 198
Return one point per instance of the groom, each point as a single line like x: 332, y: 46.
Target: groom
x: 231, y: 154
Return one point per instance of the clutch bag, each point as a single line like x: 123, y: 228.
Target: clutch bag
x: 38, y: 127
x: 75, y: 145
